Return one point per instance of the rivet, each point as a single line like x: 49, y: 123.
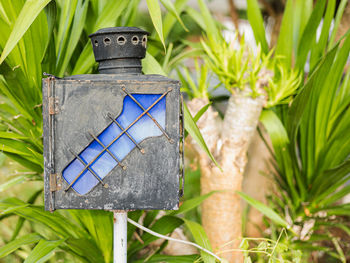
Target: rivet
x: 105, y: 185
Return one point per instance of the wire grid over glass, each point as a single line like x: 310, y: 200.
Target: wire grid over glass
x: 143, y: 116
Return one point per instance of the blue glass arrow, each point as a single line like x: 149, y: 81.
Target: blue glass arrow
x: 142, y: 129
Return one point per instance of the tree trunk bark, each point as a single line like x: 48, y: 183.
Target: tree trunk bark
x: 221, y: 213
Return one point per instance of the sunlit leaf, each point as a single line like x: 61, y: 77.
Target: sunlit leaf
x: 29, y: 12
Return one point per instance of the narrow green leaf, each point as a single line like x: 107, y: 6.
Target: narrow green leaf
x: 25, y: 162
x: 191, y: 204
x: 201, y: 112
x: 21, y: 220
x: 267, y: 211
x: 29, y: 12
x: 109, y: 14
x: 156, y: 17
x: 280, y: 142
x: 151, y: 66
x: 75, y: 33
x: 86, y: 249
x: 211, y: 28
x: 318, y: 50
x: 193, y: 130
x: 299, y: 104
x: 164, y: 225
x: 257, y: 23
x: 43, y: 251
x: 171, y: 8
x: 201, y: 239
x: 169, y: 19
x: 337, y: 20
x: 309, y: 34
x: 197, y: 17
x: 14, y: 181
x: 55, y: 222
x: 15, y: 244
x: 284, y: 47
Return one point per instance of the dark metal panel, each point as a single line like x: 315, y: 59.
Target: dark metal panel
x: 151, y: 180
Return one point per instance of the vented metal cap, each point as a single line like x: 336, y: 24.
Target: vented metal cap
x: 119, y: 42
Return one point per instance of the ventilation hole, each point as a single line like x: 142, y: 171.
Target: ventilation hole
x: 135, y: 40
x: 96, y: 43
x: 107, y: 41
x: 144, y: 41
x: 121, y: 40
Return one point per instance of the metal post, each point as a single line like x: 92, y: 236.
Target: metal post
x: 120, y: 237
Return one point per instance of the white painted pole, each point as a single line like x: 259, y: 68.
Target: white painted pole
x: 120, y: 237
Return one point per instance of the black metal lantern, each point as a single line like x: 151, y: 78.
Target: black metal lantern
x: 113, y: 140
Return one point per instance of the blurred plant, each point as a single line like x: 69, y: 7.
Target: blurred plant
x: 311, y: 155
x: 311, y: 149
x: 52, y: 36
x: 268, y: 250
x: 199, y: 87
x: 253, y: 83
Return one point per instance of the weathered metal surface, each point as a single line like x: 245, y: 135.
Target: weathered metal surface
x: 151, y: 180
x: 119, y: 49
x: 77, y: 109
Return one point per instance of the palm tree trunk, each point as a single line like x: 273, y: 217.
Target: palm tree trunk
x: 221, y: 213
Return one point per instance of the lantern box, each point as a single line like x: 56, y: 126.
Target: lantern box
x: 113, y: 141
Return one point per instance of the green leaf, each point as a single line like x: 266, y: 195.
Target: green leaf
x: 151, y: 66
x: 53, y: 221
x: 43, y: 251
x: 191, y: 204
x: 29, y: 12
x: 164, y: 225
x: 193, y: 130
x: 257, y: 23
x: 110, y: 13
x: 171, y: 8
x: 337, y: 20
x: 197, y: 17
x: 169, y: 19
x: 14, y: 181
x: 318, y: 50
x: 75, y: 33
x: 201, y: 112
x: 201, y: 239
x: 15, y: 244
x: 284, y: 47
x: 21, y: 220
x: 211, y: 28
x: 309, y: 34
x: 156, y: 17
x: 280, y: 142
x: 267, y: 211
x: 301, y: 101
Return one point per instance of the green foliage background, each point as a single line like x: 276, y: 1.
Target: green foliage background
x: 310, y: 152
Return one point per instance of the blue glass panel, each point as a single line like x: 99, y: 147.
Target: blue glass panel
x: 85, y: 183
x: 142, y: 129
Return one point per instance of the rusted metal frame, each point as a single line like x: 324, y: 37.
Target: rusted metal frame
x: 51, y: 93
x: 89, y: 168
x: 126, y: 133
x: 182, y: 147
x: 148, y: 114
x: 115, y: 139
x: 107, y: 150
